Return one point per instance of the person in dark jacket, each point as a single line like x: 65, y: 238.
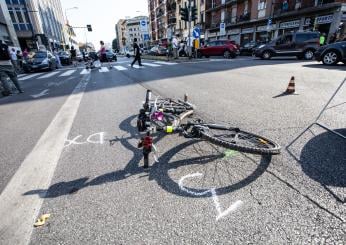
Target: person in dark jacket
x: 137, y: 53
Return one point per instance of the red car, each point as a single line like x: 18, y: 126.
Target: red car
x: 225, y: 48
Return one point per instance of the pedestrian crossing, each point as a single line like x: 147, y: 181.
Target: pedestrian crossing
x: 84, y: 71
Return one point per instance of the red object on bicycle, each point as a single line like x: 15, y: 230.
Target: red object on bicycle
x: 147, y: 142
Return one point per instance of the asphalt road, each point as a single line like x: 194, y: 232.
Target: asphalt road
x: 68, y: 149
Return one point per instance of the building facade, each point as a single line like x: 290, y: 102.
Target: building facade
x: 38, y: 22
x: 263, y: 20
x: 120, y: 29
x: 7, y: 32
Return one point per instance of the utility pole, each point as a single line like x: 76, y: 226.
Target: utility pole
x: 189, y: 29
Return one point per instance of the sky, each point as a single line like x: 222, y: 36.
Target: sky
x: 102, y: 15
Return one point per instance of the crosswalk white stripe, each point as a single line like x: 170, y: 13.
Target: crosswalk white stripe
x: 49, y: 74
x: 137, y: 66
x: 151, y: 64
x: 21, y: 75
x: 29, y: 76
x: 120, y: 68
x: 85, y: 71
x: 103, y: 69
x: 67, y: 73
x: 165, y: 63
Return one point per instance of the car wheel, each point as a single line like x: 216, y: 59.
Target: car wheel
x: 266, y: 55
x: 330, y: 58
x: 199, y: 55
x: 309, y: 54
x: 227, y: 54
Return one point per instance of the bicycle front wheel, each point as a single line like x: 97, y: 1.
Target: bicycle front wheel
x: 236, y: 139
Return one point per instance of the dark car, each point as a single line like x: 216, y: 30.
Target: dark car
x: 42, y: 60
x: 249, y: 48
x: 300, y: 44
x: 225, y: 48
x: 65, y: 58
x: 158, y: 51
x: 332, y: 54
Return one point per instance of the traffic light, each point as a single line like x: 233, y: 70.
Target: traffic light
x: 89, y: 28
x: 184, y: 12
x: 193, y: 13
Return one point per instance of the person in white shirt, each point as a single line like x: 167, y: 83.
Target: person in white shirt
x: 14, y: 58
x: 175, y: 47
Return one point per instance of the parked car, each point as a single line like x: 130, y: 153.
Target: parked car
x: 303, y: 45
x: 109, y: 54
x: 248, y: 48
x: 79, y: 56
x: 332, y: 54
x: 42, y: 60
x: 65, y: 58
x: 158, y: 51
x: 225, y: 48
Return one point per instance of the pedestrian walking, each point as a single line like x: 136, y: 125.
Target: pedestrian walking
x: 103, y: 54
x: 322, y: 39
x: 7, y: 70
x: 137, y: 53
x: 58, y: 61
x: 19, y: 59
x: 175, y: 47
x: 14, y: 59
x: 73, y: 56
x: 25, y: 54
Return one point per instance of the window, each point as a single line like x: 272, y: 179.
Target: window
x: 13, y: 18
x: 22, y: 2
x: 15, y: 1
x: 262, y: 4
x: 26, y: 17
x: 23, y: 27
x: 16, y: 27
x: 19, y: 16
x: 8, y: 1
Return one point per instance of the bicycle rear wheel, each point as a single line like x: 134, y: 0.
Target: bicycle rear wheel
x: 236, y: 139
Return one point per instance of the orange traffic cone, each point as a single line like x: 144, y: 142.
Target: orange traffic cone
x: 291, y: 86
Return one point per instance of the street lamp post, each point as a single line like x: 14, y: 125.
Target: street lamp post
x: 69, y: 36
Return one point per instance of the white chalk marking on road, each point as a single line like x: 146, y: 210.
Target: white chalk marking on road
x: 29, y: 76
x: 85, y: 71
x: 18, y: 210
x: 43, y: 93
x: 220, y: 213
x: 151, y: 64
x: 120, y: 68
x: 165, y: 63
x: 103, y: 69
x: 49, y: 74
x: 101, y: 136
x: 67, y: 73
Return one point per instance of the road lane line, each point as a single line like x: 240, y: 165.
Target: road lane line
x: 120, y: 68
x: 29, y: 76
x: 165, y: 63
x: 85, y: 71
x: 18, y: 210
x: 67, y: 73
x: 151, y: 64
x: 103, y: 69
x: 49, y: 74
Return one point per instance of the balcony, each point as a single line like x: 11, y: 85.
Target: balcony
x: 213, y: 5
x: 295, y: 5
x: 244, y: 17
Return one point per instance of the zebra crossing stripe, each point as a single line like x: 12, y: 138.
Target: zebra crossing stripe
x: 29, y: 76
x: 120, y: 68
x: 137, y: 66
x: 165, y: 63
x: 151, y: 64
x: 49, y: 75
x: 67, y: 73
x: 85, y: 71
x: 21, y: 75
x: 103, y: 69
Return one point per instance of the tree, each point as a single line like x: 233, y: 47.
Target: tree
x: 115, y: 45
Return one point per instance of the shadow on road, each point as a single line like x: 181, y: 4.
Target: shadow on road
x: 160, y: 170
x: 325, y: 166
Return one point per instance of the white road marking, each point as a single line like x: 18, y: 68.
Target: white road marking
x: 67, y: 73
x: 165, y: 63
x: 151, y: 64
x: 85, y: 71
x: 89, y: 139
x: 220, y: 213
x: 103, y: 69
x: 19, y: 202
x: 49, y: 74
x: 21, y: 75
x: 120, y: 68
x: 43, y: 93
x: 29, y: 76
x: 137, y: 67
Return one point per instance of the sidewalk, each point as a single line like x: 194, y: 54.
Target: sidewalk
x: 164, y: 58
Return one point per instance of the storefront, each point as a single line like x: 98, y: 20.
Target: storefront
x: 247, y: 35
x: 289, y: 26
x: 234, y: 35
x: 323, y: 23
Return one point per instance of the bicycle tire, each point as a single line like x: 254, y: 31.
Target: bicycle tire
x: 260, y: 144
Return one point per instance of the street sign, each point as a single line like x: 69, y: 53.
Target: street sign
x: 196, y: 32
x: 222, y: 29
x: 269, y: 24
x: 143, y: 26
x: 146, y: 37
